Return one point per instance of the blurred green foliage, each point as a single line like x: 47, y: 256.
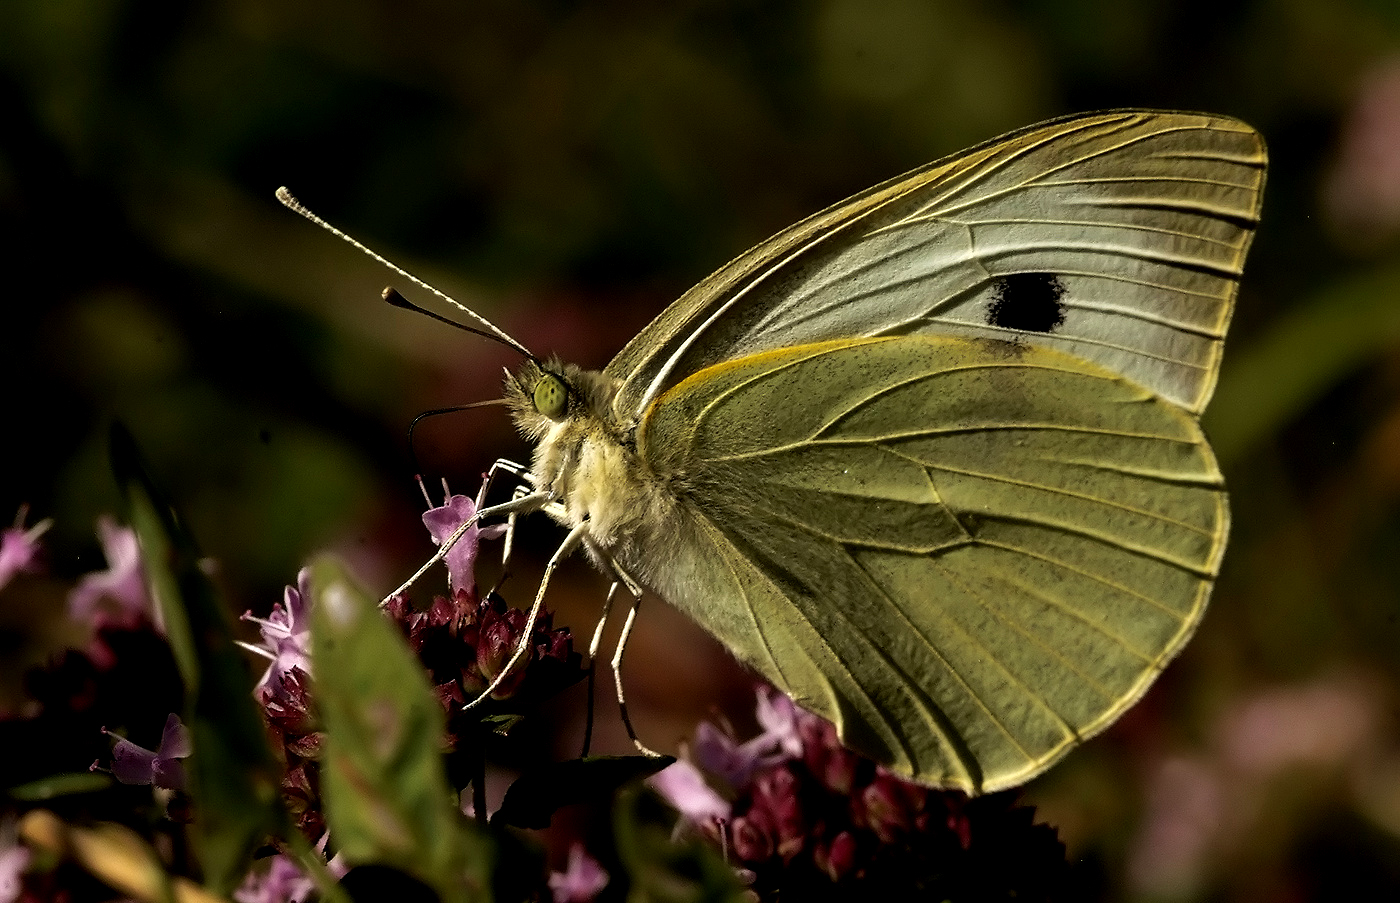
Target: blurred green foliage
x: 568, y: 168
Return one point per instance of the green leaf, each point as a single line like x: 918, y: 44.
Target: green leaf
x: 56, y: 785
x: 387, y: 799
x: 662, y: 870
x: 502, y: 725
x: 535, y: 796
x: 233, y: 775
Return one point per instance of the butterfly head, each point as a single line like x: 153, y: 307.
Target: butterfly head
x: 580, y: 454
x: 543, y: 395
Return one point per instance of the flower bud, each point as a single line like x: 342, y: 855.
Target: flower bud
x: 775, y: 793
x: 753, y: 837
x: 838, y: 857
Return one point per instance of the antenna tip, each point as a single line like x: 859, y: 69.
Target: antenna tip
x: 392, y: 296
x: 285, y: 196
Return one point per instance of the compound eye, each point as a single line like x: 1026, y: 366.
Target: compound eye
x: 551, y: 398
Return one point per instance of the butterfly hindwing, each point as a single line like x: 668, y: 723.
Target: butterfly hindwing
x: 968, y: 554
x: 1116, y: 237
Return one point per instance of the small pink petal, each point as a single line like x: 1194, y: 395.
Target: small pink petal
x: 19, y: 548
x: 581, y: 881
x: 682, y: 784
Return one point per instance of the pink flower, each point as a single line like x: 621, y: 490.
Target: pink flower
x: 13, y: 862
x: 444, y: 521
x: 286, y: 633
x: 581, y: 881
x: 716, y: 752
x: 284, y: 881
x: 801, y: 816
x: 19, y: 548
x: 124, y: 581
x: 682, y: 784
x: 781, y: 720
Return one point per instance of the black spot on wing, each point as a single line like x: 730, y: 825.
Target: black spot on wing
x: 1030, y: 302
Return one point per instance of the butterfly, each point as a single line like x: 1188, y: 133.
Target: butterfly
x: 930, y: 460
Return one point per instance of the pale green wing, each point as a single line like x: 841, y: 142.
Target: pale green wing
x: 1116, y: 237
x: 969, y: 555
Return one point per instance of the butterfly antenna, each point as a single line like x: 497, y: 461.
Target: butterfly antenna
x: 291, y: 203
x: 393, y: 298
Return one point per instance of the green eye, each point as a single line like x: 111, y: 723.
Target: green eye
x: 550, y: 396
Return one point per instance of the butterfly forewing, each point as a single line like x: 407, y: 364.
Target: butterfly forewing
x: 968, y: 554
x: 1116, y: 237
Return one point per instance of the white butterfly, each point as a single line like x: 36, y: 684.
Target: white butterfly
x: 930, y: 460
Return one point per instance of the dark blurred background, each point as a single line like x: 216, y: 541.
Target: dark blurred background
x: 567, y: 169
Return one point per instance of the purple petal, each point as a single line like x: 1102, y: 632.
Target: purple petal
x: 716, y: 752
x: 581, y: 881
x: 174, y: 740
x: 684, y: 787
x: 132, y: 764
x: 168, y: 774
x: 293, y: 617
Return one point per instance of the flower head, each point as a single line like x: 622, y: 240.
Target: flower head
x: 286, y: 633
x: 464, y: 642
x: 283, y: 882
x: 132, y: 764
x: 805, y: 816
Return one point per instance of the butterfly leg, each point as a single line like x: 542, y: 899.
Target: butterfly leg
x: 593, y: 645
x: 570, y: 543
x: 620, y: 578
x: 526, y: 487
x: 509, y: 545
x: 617, y: 676
x: 505, y: 465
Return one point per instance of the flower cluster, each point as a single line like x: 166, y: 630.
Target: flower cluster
x: 284, y: 691
x: 806, y: 818
x: 800, y: 816
x: 124, y: 681
x: 463, y: 641
x: 82, y: 704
